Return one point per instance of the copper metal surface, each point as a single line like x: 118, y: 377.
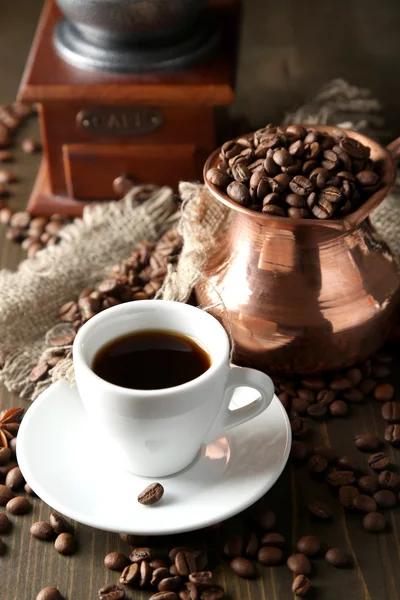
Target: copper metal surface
x: 303, y: 296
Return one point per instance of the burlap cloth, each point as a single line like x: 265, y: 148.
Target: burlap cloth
x: 30, y: 298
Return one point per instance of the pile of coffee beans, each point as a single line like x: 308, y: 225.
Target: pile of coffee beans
x: 137, y: 278
x: 296, y: 172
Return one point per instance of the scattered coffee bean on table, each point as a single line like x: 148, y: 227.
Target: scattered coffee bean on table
x: 320, y: 509
x: 15, y: 479
x: 116, y: 561
x: 59, y: 523
x: 273, y: 539
x: 234, y: 546
x: 339, y: 478
x: 337, y: 557
x: 392, y: 434
x: 365, y: 503
x: 18, y: 506
x: 317, y: 464
x: 42, y: 530
x: 266, y: 519
x: 130, y: 575
x: 347, y: 496
x: 6, y: 494
x: 243, y: 567
x: 301, y: 585
x: 379, y: 461
x: 389, y: 480
x: 338, y: 408
x: 270, y: 555
x: 140, y: 554
x: 384, y: 392
x: 166, y: 596
x: 49, y: 593
x: 5, y: 523
x: 367, y: 442
x: 374, y: 522
x: 385, y: 499
x: 299, y: 564
x: 391, y: 412
x: 5, y: 455
x: 65, y: 544
x: 348, y: 463
x: 152, y: 494
x: 309, y: 545
x: 368, y: 484
x: 112, y: 592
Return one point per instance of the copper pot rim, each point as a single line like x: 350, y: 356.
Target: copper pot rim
x: 379, y: 154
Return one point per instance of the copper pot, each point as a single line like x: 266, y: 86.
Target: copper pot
x: 304, y: 296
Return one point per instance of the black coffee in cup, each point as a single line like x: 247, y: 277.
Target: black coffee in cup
x: 151, y: 360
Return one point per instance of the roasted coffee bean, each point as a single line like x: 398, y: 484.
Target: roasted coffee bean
x: 354, y: 375
x: 326, y: 397
x: 112, y: 592
x: 266, y: 519
x: 323, y: 209
x: 379, y: 461
x: 202, y: 579
x: 239, y: 193
x: 130, y: 575
x: 42, y: 530
x: 301, y: 185
x: 320, y: 509
x: 270, y: 555
x: 316, y: 384
x: 367, y: 442
x: 18, y: 506
x: 152, y: 494
x: 299, y: 564
x: 306, y: 394
x: 273, y: 210
x: 145, y: 574
x: 165, y: 596
x: 217, y: 177
x: 297, y: 148
x: 347, y: 496
x: 380, y: 371
x: 338, y: 408
x: 189, y: 592
x: 354, y: 395
x: 282, y: 157
x: 140, y: 554
x: 173, y: 571
x: 298, y: 451
x: 170, y: 584
x: 185, y: 563
x: 59, y: 523
x: 374, y: 522
x: 116, y: 561
x: 300, y: 405
x: 337, y: 557
x: 332, y: 194
x: 5, y: 455
x: 241, y: 173
x: 158, y: 575
x: 325, y: 451
x: 39, y: 372
x: 368, y: 484
x: 174, y: 551
x: 390, y: 412
x: 4, y: 470
x: 301, y: 585
x: 15, y: 479
x: 216, y: 592
x: 49, y: 593
x: 309, y: 545
x: 30, y: 146
x: 317, y: 464
x: 384, y: 392
x: 65, y: 544
x: 389, y: 480
x: 273, y: 539
x: 364, y: 503
x: 392, y: 435
x: 339, y: 478
x: 5, y: 523
x: 348, y: 463
x: 385, y: 498
x: 234, y: 546
x: 252, y: 545
x: 158, y: 563
x: 295, y: 200
x: 367, y: 386
x: 243, y: 567
x: 317, y: 410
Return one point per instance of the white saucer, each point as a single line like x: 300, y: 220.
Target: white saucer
x: 62, y: 460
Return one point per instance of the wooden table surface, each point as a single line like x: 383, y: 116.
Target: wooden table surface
x: 28, y: 564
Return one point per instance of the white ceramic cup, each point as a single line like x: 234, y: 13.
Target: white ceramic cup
x: 155, y: 433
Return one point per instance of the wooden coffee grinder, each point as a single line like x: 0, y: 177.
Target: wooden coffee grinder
x: 113, y: 113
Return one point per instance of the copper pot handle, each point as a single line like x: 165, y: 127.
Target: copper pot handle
x: 394, y: 149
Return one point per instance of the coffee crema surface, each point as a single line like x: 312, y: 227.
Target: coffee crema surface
x: 151, y: 360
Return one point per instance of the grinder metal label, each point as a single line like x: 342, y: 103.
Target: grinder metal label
x: 119, y: 120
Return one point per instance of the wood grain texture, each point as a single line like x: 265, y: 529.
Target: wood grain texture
x: 30, y: 564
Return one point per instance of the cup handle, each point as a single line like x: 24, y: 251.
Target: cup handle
x: 239, y: 377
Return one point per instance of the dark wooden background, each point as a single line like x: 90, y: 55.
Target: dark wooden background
x: 289, y: 49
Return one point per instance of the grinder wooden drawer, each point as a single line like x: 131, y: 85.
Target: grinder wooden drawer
x: 90, y: 170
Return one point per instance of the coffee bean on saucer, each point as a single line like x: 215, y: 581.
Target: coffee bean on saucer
x: 65, y: 544
x: 338, y: 408
x: 317, y: 464
x: 374, y: 522
x: 385, y: 498
x: 368, y: 484
x: 112, y: 592
x: 379, y: 461
x: 140, y: 554
x: 337, y: 557
x: 49, y: 593
x: 5, y: 523
x: 270, y: 555
x: 169, y: 584
x: 299, y: 564
x: 348, y: 463
x: 18, y: 506
x: 116, y: 561
x: 339, y: 478
x: 165, y: 596
x: 273, y: 539
x: 347, y: 495
x: 389, y: 480
x: 301, y: 585
x: 6, y: 494
x: 185, y: 563
x: 202, y: 579
x: 59, y: 523
x: 391, y: 412
x: 130, y: 575
x: 152, y: 494
x: 15, y: 479
x: 392, y: 434
x: 243, y: 567
x: 5, y: 455
x: 42, y: 530
x: 266, y: 519
x: 320, y: 509
x: 234, y: 546
x: 367, y: 442
x: 364, y: 503
x: 384, y: 392
x: 309, y: 545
